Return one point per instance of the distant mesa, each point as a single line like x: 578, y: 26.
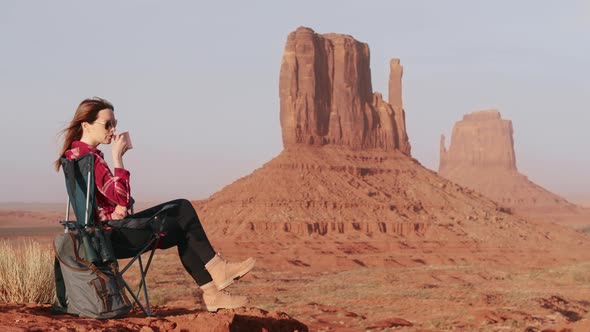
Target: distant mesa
x: 481, y: 157
x: 345, y: 178
x: 482, y: 140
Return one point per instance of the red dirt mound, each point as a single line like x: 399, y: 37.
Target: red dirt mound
x: 33, y: 317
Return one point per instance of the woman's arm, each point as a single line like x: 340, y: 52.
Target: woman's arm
x: 114, y: 187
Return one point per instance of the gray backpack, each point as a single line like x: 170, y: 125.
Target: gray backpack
x: 83, y: 288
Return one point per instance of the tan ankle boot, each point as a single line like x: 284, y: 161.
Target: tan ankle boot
x: 215, y: 299
x: 224, y: 272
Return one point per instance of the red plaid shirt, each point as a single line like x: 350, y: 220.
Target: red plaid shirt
x: 110, y: 190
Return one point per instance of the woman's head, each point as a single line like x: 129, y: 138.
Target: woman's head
x: 94, y: 122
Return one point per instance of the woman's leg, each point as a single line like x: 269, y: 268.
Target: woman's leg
x: 196, y: 252
x: 190, y: 235
x: 183, y: 229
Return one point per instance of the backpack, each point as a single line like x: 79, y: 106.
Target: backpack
x: 88, y: 285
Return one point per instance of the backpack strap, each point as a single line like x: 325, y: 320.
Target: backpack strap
x: 120, y: 283
x: 60, y: 289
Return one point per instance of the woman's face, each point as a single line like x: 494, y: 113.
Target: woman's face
x: 103, y: 128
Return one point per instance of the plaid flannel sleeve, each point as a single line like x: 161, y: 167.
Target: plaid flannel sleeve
x: 114, y: 187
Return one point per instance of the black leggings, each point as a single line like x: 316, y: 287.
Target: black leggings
x: 182, y: 228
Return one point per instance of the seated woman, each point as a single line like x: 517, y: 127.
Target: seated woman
x: 93, y: 124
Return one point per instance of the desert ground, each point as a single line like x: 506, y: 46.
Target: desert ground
x: 341, y: 287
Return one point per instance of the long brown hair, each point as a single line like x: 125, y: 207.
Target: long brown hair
x: 87, y: 112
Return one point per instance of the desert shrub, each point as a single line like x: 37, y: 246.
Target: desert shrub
x: 26, y: 273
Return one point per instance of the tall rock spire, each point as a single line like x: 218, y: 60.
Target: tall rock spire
x: 396, y: 72
x: 326, y: 96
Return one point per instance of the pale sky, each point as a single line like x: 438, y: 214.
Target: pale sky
x: 196, y: 82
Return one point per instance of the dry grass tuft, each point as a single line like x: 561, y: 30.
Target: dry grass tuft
x: 26, y: 273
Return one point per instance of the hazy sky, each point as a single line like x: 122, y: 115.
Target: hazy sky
x: 196, y: 82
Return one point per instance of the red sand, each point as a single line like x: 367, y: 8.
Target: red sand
x: 358, y: 286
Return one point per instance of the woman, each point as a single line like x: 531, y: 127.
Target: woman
x: 93, y: 124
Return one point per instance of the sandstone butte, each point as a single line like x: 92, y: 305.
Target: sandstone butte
x: 346, y: 178
x: 481, y: 157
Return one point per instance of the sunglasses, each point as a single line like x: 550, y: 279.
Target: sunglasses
x: 109, y: 124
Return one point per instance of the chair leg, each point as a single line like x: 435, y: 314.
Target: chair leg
x: 141, y: 273
x: 144, y: 273
x: 147, y: 309
x: 136, y: 299
x: 147, y: 267
x: 145, y: 291
x: 156, y: 244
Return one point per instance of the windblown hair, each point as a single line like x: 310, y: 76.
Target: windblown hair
x: 87, y: 112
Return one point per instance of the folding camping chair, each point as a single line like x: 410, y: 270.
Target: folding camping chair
x: 79, y: 176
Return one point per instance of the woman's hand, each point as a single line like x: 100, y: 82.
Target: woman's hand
x: 120, y: 146
x: 119, y: 213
